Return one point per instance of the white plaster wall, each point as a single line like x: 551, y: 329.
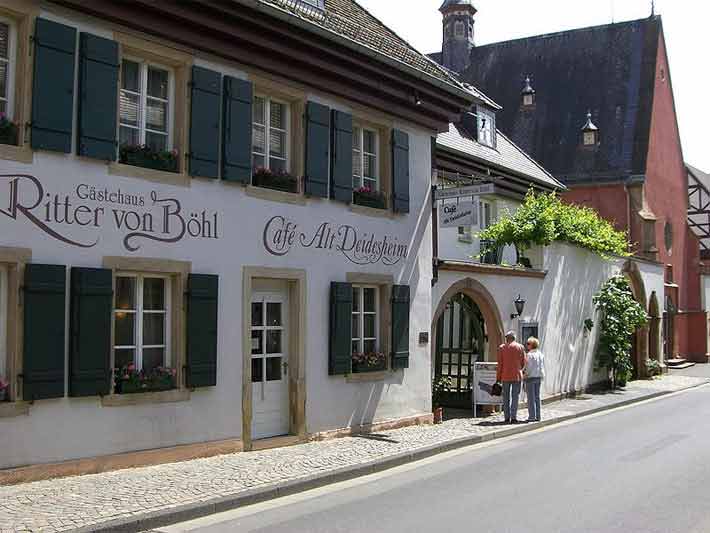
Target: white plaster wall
x: 560, y: 303
x: 70, y: 428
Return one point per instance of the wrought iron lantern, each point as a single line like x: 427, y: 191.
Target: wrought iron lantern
x: 519, y: 307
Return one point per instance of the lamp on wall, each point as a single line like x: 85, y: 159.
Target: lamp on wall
x: 519, y: 307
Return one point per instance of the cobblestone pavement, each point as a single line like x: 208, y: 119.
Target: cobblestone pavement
x: 69, y: 503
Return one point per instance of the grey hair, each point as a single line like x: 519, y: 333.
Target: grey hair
x: 511, y: 335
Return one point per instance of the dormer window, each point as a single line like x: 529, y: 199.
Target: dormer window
x: 486, y: 128
x: 528, y: 94
x: 590, y: 132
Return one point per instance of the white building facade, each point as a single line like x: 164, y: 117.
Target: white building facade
x: 197, y: 250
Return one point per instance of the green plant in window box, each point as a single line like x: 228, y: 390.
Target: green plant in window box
x: 9, y: 130
x: 369, y: 362
x: 140, y: 155
x: 129, y: 380
x: 4, y: 387
x: 367, y: 197
x: 277, y: 180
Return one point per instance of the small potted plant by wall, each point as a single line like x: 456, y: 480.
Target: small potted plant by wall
x: 440, y: 386
x: 4, y: 388
x: 8, y: 130
x: 369, y: 362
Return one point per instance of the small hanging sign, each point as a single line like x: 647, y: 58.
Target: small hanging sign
x: 459, y: 214
x: 470, y: 190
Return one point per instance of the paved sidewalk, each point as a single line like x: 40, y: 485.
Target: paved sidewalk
x: 143, y: 498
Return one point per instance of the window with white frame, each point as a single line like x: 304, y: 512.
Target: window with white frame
x: 365, y: 159
x: 3, y: 324
x: 145, y: 114
x: 486, y: 128
x: 365, y: 319
x: 485, y: 213
x: 7, y: 66
x: 270, y: 134
x: 142, y: 321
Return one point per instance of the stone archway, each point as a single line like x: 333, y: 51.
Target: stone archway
x: 487, y: 305
x: 466, y: 328
x: 640, y: 344
x: 654, y: 329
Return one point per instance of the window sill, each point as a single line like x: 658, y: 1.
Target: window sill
x: 21, y: 154
x: 148, y: 174
x: 371, y: 211
x: 13, y: 409
x: 146, y: 398
x: 366, y: 377
x: 272, y: 195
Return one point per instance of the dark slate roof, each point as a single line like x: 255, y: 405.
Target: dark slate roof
x: 347, y: 19
x: 609, y: 70
x: 506, y: 156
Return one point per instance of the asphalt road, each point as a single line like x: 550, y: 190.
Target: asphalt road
x: 645, y: 469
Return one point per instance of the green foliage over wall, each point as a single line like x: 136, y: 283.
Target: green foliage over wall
x: 621, y: 316
x: 543, y: 219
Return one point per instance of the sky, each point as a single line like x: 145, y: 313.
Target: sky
x: 685, y: 23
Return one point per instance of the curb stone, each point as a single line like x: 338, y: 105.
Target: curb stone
x: 182, y: 513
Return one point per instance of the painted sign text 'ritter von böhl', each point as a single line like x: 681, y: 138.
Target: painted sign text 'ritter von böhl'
x: 139, y: 218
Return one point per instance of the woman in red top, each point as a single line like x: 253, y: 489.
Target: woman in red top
x: 511, y: 361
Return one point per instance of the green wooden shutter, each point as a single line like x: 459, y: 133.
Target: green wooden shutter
x: 342, y: 157
x: 53, y: 88
x: 43, y: 358
x: 237, y: 130
x: 204, y: 122
x: 202, y: 303
x: 317, y: 143
x: 341, y: 324
x: 90, y: 337
x: 98, y: 97
x: 400, y: 326
x: 400, y: 171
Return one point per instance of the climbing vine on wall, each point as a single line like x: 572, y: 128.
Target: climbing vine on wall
x: 543, y: 219
x: 621, y: 316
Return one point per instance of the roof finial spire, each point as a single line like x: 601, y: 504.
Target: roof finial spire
x: 653, y: 8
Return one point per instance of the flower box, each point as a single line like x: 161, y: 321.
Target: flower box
x: 371, y: 362
x: 145, y: 157
x: 369, y: 198
x: 130, y: 381
x: 8, y: 131
x: 278, y: 181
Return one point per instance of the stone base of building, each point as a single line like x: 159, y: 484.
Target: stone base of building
x: 106, y: 463
x: 175, y: 454
x: 386, y: 425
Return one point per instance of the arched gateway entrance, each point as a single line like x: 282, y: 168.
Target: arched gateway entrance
x: 639, y: 352
x: 467, y: 329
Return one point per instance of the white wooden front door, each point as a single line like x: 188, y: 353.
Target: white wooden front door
x: 269, y: 365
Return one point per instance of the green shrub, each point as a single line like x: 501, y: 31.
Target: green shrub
x: 543, y: 219
x: 621, y: 316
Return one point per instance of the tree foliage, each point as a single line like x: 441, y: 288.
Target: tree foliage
x: 543, y: 219
x: 621, y: 316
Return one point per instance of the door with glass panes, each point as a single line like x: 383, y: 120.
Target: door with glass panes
x: 269, y: 365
